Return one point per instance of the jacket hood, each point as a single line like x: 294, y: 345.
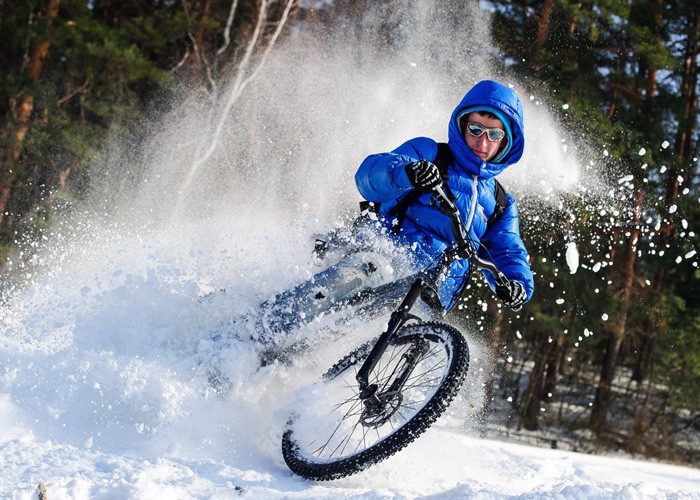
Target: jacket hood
x: 488, y: 94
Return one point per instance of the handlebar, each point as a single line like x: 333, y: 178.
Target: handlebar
x: 440, y: 201
x: 465, y: 246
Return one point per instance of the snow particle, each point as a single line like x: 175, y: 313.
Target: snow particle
x: 572, y: 258
x: 627, y: 178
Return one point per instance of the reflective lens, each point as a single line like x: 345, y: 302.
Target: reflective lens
x: 476, y: 129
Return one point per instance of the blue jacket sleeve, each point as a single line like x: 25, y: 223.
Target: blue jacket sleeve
x: 507, y: 249
x: 382, y: 177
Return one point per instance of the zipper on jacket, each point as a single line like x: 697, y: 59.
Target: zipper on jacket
x: 475, y: 195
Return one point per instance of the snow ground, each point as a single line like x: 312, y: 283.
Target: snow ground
x: 106, y: 393
x: 443, y: 464
x: 107, y: 350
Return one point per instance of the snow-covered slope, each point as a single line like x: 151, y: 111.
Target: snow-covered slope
x: 107, y: 390
x: 443, y: 464
x: 121, y: 379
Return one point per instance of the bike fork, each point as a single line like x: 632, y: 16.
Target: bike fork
x: 398, y: 319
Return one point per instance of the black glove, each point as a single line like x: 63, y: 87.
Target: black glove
x: 513, y: 295
x: 423, y: 175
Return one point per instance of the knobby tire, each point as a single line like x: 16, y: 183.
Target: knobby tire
x: 443, y: 361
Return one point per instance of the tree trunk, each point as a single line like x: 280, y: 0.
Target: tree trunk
x: 543, y: 23
x: 603, y: 396
x: 687, y: 118
x: 40, y: 50
x: 551, y: 375
x: 636, y: 442
x: 532, y: 398
x: 23, y: 106
x: 495, y: 345
x: 198, y: 60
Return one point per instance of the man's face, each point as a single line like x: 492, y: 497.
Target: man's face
x: 482, y: 146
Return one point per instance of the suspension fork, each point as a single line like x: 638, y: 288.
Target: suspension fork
x: 424, y: 287
x: 397, y: 320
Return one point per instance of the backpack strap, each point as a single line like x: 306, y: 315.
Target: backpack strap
x: 501, y: 200
x: 444, y: 157
x: 400, y: 210
x: 442, y: 160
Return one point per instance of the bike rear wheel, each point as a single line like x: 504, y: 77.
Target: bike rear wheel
x: 335, y: 432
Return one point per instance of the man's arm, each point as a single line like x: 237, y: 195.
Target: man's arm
x: 382, y: 177
x: 505, y: 245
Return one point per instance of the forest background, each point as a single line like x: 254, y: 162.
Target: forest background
x: 78, y: 75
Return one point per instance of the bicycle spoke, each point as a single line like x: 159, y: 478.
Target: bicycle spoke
x: 405, y: 379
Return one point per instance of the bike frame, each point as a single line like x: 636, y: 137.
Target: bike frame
x: 426, y: 288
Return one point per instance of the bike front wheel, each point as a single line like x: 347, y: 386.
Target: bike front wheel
x: 337, y: 430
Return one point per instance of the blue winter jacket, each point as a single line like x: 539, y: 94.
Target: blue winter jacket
x: 382, y: 178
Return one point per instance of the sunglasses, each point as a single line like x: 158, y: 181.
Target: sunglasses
x: 477, y: 129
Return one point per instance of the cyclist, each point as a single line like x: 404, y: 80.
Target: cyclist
x: 485, y: 136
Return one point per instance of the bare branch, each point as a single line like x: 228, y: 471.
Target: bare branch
x: 241, y: 81
x: 84, y: 88
x: 227, y: 30
x: 233, y: 96
x: 183, y: 60
x: 270, y: 45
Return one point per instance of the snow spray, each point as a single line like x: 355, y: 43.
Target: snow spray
x: 108, y: 335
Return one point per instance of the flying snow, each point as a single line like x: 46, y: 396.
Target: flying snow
x: 572, y: 257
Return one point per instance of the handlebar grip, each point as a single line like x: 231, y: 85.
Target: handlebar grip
x: 501, y: 279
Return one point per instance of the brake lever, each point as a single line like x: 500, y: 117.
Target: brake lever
x: 440, y: 201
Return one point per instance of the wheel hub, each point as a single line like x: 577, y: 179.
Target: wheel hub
x: 378, y: 408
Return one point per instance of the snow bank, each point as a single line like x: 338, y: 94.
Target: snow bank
x: 123, y: 371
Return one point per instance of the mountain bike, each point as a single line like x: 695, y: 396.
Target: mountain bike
x: 387, y: 392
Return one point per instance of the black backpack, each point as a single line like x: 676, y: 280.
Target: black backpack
x: 442, y: 161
